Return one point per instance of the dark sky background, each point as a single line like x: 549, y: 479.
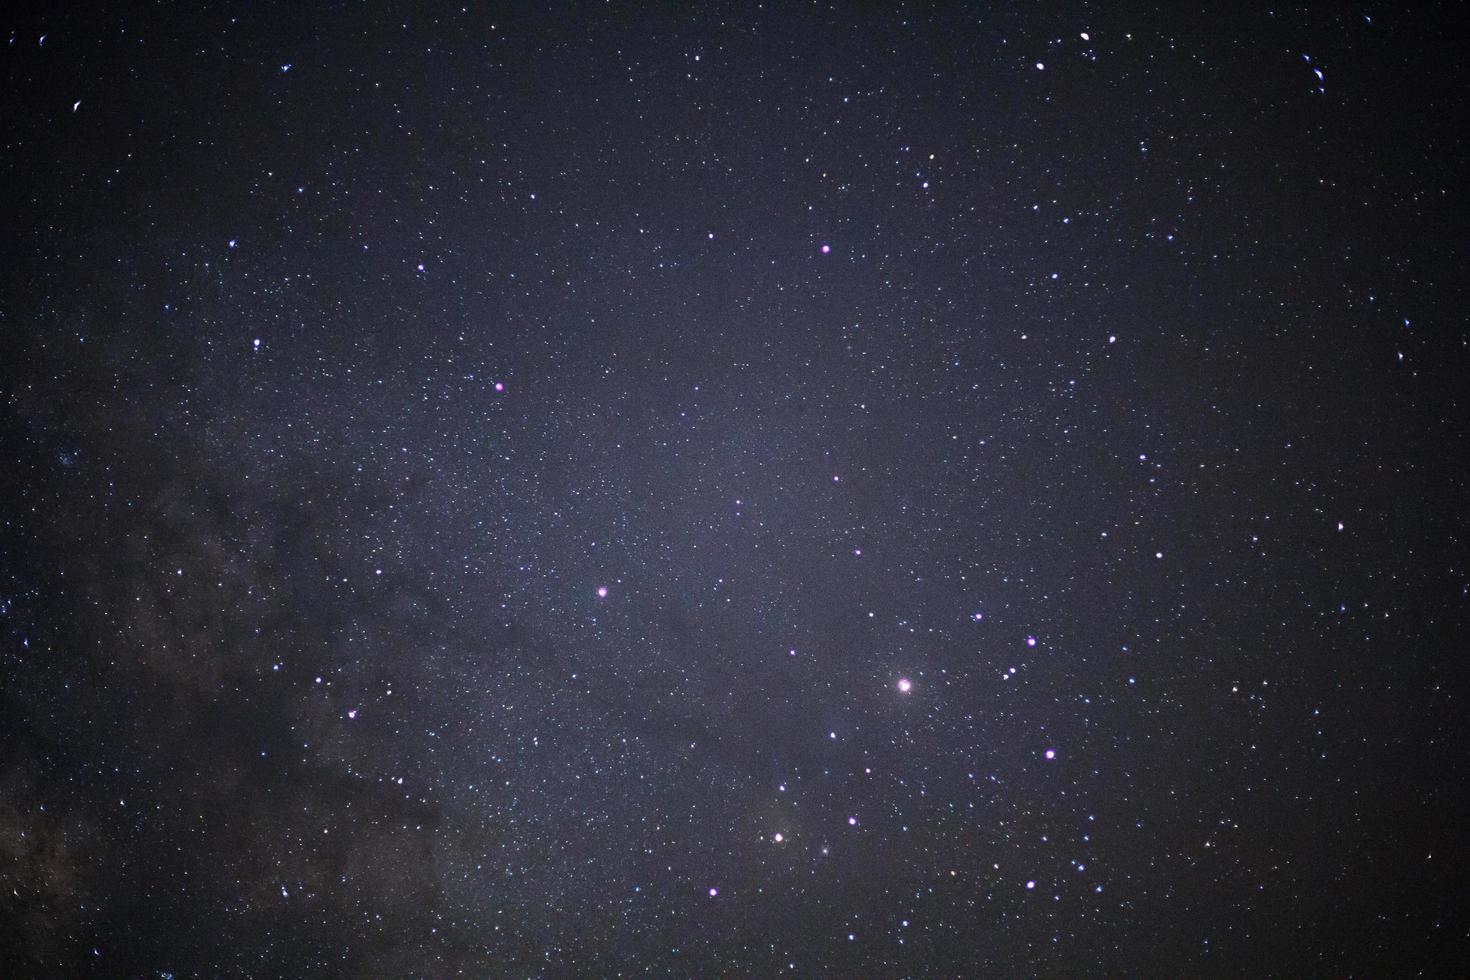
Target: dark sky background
x: 1023, y: 453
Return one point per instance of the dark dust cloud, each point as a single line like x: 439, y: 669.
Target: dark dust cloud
x: 829, y: 490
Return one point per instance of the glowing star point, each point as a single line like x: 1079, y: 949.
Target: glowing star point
x: 778, y: 838
x: 1051, y: 753
x: 905, y: 685
x: 826, y: 249
x: 602, y: 592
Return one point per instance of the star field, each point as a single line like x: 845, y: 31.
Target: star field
x: 842, y: 490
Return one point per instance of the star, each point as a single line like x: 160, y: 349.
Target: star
x: 602, y: 592
x: 904, y: 685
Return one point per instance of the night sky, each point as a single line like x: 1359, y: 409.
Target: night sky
x: 848, y: 490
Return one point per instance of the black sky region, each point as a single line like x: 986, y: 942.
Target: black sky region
x: 823, y: 490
